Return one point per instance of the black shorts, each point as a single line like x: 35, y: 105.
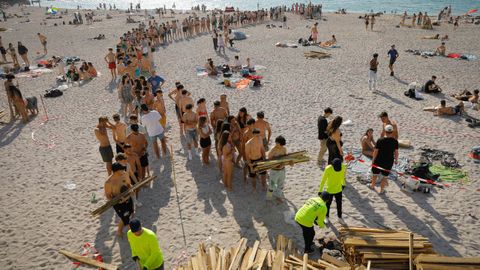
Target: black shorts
x: 144, y: 160
x: 2, y: 50
x: 205, y: 142
x: 254, y: 174
x: 392, y: 61
x: 124, y: 210
x: 382, y: 172
x: 119, y: 148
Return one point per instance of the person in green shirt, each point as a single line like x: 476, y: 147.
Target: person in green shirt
x: 312, y: 212
x: 334, y: 178
x: 144, y: 246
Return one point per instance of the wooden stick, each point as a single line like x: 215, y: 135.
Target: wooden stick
x: 44, y: 108
x: 305, y: 261
x: 102, y: 209
x: 410, y: 251
x: 88, y: 261
x: 369, y: 264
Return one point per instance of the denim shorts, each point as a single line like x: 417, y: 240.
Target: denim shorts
x: 159, y: 136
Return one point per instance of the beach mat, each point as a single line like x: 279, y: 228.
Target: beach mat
x: 34, y: 72
x: 364, y: 168
x: 448, y: 174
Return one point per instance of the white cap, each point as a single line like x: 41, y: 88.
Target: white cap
x: 389, y: 128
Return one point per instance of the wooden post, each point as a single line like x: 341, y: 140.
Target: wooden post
x: 305, y: 261
x: 410, y: 251
x: 44, y: 108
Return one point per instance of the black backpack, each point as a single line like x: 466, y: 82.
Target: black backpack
x: 410, y: 93
x: 53, y: 93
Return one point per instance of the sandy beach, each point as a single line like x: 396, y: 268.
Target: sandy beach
x: 40, y: 160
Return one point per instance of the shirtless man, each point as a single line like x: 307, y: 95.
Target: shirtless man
x: 3, y: 51
x: 119, y: 133
x: 264, y: 127
x: 105, y: 147
x: 254, y: 151
x: 175, y: 95
x: 218, y: 113
x: 117, y: 183
x: 441, y: 49
x: 190, y: 119
x: 43, y: 41
x: 138, y: 142
x: 110, y: 59
x: 224, y: 103
x: 448, y: 111
x: 131, y: 162
x: 159, y: 106
x: 386, y: 121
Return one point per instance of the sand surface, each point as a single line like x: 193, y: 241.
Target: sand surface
x: 40, y: 215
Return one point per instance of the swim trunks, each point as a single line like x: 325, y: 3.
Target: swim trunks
x: 191, y: 135
x: 144, y: 160
x: 2, y: 50
x: 119, y: 147
x: 106, y: 153
x: 112, y: 65
x: 124, y: 209
x: 254, y: 174
x: 205, y: 142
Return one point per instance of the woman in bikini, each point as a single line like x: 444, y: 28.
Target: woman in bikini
x: 202, y: 108
x: 242, y: 118
x: 236, y: 134
x: 205, y: 142
x: 217, y: 135
x: 125, y: 95
x: 368, y: 143
x: 227, y: 151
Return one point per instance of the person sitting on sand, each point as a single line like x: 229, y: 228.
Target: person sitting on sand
x: 91, y: 70
x: 84, y: 75
x: 368, y: 143
x: 329, y: 43
x: 444, y: 110
x: 444, y: 38
x: 437, y: 36
x: 236, y: 65
x: 211, y: 70
x: 466, y: 95
x: 431, y: 86
x: 73, y: 73
x: 441, y: 49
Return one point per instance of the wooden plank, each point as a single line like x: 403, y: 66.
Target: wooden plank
x: 238, y: 255
x: 305, y: 261
x: 422, y: 258
x: 379, y: 243
x: 195, y: 263
x: 212, y: 255
x: 251, y: 259
x: 278, y: 261
x: 431, y: 266
x: 88, y: 261
x: 246, y: 257
x: 269, y: 258
x: 311, y: 264
x: 325, y: 264
x: 334, y: 260
x: 410, y: 251
x: 260, y: 259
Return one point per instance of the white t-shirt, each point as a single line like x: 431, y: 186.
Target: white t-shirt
x: 151, y: 121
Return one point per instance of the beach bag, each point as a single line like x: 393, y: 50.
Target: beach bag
x: 410, y: 93
x: 244, y: 72
x: 225, y: 69
x: 423, y: 171
x: 53, y: 93
x: 256, y: 83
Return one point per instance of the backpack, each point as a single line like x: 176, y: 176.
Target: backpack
x: 423, y: 171
x: 410, y: 93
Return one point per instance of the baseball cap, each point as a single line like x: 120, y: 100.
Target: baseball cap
x: 389, y: 128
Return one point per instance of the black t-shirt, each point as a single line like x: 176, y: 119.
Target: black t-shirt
x: 428, y: 84
x: 386, y: 149
x: 322, y: 127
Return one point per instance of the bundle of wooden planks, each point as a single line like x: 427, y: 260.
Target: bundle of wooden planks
x: 316, y: 54
x: 384, y: 249
x: 435, y: 262
x: 295, y: 157
x: 241, y: 257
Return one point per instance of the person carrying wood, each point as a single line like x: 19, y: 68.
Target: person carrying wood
x: 144, y: 245
x: 313, y: 212
x: 333, y: 180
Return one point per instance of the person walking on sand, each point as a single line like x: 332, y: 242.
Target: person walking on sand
x: 151, y: 119
x: 144, y: 246
x: 333, y: 180
x: 43, y: 41
x: 366, y: 22
x: 22, y: 50
x: 322, y: 124
x: 372, y: 73
x: 313, y: 212
x: 221, y: 44
x: 117, y: 183
x: 372, y: 22
x: 393, y: 53
x: 384, y: 156
x: 3, y: 51
x: 110, y: 59
x: 105, y: 147
x: 314, y: 32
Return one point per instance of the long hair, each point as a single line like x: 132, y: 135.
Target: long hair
x: 334, y: 125
x: 223, y: 139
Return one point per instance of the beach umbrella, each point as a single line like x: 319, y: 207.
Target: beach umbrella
x: 53, y: 10
x: 472, y: 11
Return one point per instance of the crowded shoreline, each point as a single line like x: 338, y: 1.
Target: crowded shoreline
x: 294, y: 92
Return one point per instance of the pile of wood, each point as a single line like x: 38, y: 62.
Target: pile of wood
x: 292, y: 158
x: 435, y: 262
x: 241, y: 257
x: 384, y: 249
x: 316, y: 54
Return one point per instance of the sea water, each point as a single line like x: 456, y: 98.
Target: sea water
x: 389, y: 6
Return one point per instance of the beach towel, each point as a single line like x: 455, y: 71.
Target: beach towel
x: 242, y: 84
x: 201, y: 71
x: 364, y: 168
x: 454, y: 55
x: 33, y: 73
x: 449, y: 174
x: 258, y: 67
x: 286, y: 45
